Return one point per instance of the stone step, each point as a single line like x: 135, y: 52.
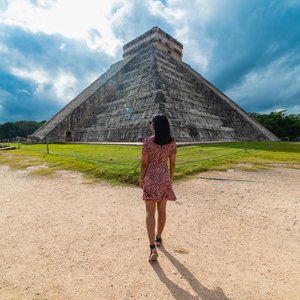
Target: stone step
x: 177, y: 81
x: 171, y: 65
x: 67, y: 110
x: 234, y: 106
x: 165, y: 68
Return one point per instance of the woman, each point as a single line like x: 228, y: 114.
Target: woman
x: 156, y: 179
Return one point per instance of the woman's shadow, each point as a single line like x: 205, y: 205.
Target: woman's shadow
x: 179, y: 293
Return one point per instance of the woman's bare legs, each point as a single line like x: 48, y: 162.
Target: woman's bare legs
x: 161, y: 220
x: 150, y: 220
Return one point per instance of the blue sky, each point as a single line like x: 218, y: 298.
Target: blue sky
x: 50, y: 50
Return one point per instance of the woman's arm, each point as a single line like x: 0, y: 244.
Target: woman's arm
x: 144, y: 166
x: 172, y: 159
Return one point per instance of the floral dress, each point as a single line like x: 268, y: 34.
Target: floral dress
x: 157, y: 181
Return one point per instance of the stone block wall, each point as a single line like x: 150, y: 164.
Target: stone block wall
x: 151, y: 81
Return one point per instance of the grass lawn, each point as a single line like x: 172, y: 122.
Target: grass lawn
x: 120, y: 164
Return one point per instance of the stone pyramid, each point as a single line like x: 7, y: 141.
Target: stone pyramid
x: 151, y: 79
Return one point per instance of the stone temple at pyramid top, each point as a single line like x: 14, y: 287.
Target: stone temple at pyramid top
x: 156, y: 36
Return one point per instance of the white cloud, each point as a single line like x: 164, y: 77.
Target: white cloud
x: 189, y: 20
x: 93, y: 21
x: 10, y: 57
x: 38, y: 76
x: 62, y: 84
x: 89, y: 20
x: 170, y: 13
x: 295, y: 109
x: 62, y: 46
x: 277, y: 84
x: 4, y: 95
x: 23, y: 91
x: 210, y: 32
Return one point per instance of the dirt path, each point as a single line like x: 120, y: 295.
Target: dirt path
x: 234, y: 236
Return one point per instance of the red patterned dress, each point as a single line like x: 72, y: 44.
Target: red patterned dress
x: 157, y: 181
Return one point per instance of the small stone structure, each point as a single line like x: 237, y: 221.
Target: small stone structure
x: 151, y: 79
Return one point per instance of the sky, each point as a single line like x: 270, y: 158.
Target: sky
x: 50, y: 50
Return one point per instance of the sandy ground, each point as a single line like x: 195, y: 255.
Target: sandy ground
x: 233, y: 236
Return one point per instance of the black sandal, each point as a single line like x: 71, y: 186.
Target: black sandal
x: 153, y: 253
x: 158, y: 241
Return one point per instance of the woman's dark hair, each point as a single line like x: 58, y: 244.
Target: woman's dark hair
x: 162, y: 130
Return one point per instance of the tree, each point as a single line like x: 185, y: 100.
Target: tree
x: 11, y: 130
x: 285, y: 127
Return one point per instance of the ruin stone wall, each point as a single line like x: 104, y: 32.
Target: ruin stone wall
x: 158, y: 37
x: 117, y: 111
x: 155, y: 82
